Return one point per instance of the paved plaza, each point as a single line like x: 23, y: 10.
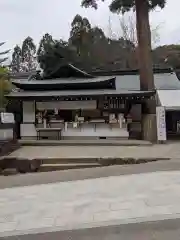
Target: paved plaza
x: 171, y: 150
x: 89, y: 203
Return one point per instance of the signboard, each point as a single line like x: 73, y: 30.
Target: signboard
x: 7, y: 117
x: 28, y: 112
x: 161, y: 123
x: 67, y: 105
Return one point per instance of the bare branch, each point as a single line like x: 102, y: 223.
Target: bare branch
x: 5, y: 52
x: 2, y: 43
x: 128, y: 29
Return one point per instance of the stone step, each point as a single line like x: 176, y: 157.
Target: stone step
x: 6, y: 147
x: 25, y: 165
x: 79, y: 160
x: 95, y: 142
x: 57, y: 167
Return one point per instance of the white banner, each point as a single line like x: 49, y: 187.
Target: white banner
x: 161, y: 123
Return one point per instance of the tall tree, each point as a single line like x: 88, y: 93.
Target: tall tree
x: 46, y: 40
x: 94, y: 49
x: 55, y: 53
x: 143, y: 32
x: 16, y: 59
x: 28, y: 54
x: 80, y: 33
x: 4, y: 83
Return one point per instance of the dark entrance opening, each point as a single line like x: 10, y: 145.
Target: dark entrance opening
x: 15, y: 107
x: 173, y: 125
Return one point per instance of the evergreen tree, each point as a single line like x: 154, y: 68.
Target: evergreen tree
x: 44, y: 43
x: 16, y: 59
x: 28, y: 55
x: 54, y: 54
x: 80, y: 34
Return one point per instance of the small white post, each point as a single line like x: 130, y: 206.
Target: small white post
x: 45, y: 123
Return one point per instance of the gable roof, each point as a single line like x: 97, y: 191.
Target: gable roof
x: 170, y: 99
x: 66, y: 71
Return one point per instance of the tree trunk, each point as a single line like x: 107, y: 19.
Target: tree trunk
x: 146, y: 69
x: 144, y: 45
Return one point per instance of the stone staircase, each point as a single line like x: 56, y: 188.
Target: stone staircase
x: 55, y: 164
x: 32, y: 163
x: 8, y: 146
x: 25, y: 165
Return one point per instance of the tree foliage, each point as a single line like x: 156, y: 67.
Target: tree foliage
x: 44, y: 43
x: 128, y: 30
x: 5, y: 86
x: 80, y: 34
x: 94, y: 49
x: 53, y: 54
x: 24, y: 57
x: 16, y: 59
x: 28, y: 54
x: 142, y: 8
x: 123, y: 6
x: 99, y: 52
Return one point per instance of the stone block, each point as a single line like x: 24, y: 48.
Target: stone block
x: 35, y: 165
x: 106, y: 161
x: 129, y: 160
x: 149, y: 127
x: 23, y: 165
x: 7, y: 162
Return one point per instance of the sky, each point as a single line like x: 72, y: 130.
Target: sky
x: 22, y: 18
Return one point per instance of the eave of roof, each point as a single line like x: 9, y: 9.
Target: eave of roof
x: 129, y: 72
x: 62, y: 80
x: 95, y: 93
x: 66, y: 84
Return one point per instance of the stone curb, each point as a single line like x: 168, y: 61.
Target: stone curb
x: 127, y: 161
x: 88, y: 144
x: 163, y: 221
x: 24, y: 165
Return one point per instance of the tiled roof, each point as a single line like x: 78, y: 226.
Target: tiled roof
x: 161, y: 81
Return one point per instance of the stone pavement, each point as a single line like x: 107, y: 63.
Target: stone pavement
x: 90, y: 203
x: 171, y: 150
